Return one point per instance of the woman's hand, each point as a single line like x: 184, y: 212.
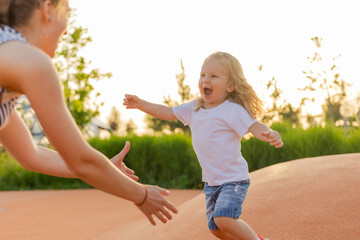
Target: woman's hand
x: 155, y: 204
x: 118, y: 162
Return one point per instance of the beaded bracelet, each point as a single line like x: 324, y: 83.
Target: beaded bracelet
x: 146, y: 194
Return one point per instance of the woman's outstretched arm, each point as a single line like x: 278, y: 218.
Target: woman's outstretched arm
x: 17, y: 139
x: 38, y: 80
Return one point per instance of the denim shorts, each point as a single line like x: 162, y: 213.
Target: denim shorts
x: 225, y: 200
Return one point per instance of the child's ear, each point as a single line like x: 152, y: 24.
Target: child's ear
x: 230, y: 88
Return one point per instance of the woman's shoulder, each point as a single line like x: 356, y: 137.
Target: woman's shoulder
x: 19, y: 61
x: 13, y: 46
x: 22, y: 55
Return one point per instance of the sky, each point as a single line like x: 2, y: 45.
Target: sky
x: 142, y: 42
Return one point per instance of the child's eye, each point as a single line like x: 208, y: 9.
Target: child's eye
x: 214, y: 76
x: 202, y: 75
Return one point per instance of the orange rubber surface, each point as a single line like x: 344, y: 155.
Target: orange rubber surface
x: 306, y: 199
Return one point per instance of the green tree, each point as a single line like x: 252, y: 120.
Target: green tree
x: 77, y: 77
x: 272, y: 112
x: 185, y: 94
x: 279, y: 111
x: 114, y: 120
x: 130, y: 127
x: 327, y: 80
x: 118, y: 126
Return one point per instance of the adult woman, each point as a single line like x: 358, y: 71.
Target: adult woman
x: 29, y: 33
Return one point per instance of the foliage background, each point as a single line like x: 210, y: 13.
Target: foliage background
x: 169, y: 160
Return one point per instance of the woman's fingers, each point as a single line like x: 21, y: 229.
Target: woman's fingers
x: 151, y: 219
x: 125, y: 150
x: 155, y: 204
x: 162, y: 214
x: 161, y: 217
x: 167, y: 204
x: 128, y: 170
x: 166, y: 213
x: 132, y: 176
x: 119, y: 158
x: 171, y: 207
x: 163, y: 191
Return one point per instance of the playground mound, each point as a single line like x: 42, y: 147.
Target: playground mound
x: 311, y: 198
x: 305, y: 199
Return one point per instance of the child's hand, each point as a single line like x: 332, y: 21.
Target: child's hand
x: 274, y: 138
x: 131, y: 101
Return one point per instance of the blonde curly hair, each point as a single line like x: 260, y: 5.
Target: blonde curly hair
x: 243, y: 93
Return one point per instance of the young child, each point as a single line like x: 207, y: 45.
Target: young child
x: 218, y: 119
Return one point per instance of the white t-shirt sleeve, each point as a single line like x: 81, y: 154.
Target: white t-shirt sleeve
x: 241, y: 121
x: 183, y: 112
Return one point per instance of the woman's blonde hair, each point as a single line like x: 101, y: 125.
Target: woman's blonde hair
x: 18, y: 12
x: 243, y: 93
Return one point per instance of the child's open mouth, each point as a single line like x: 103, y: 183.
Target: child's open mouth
x: 207, y: 91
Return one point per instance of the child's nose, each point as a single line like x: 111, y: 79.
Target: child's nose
x: 205, y: 79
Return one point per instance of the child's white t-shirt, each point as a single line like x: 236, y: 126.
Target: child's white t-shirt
x: 216, y: 138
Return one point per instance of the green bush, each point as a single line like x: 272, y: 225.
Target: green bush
x: 169, y: 160
x: 300, y: 143
x: 14, y: 177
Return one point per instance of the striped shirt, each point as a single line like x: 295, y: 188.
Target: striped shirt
x: 7, y: 103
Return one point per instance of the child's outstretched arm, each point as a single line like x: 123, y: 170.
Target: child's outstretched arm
x: 264, y: 133
x: 156, y: 110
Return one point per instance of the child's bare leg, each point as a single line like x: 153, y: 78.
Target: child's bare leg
x: 222, y: 235
x: 237, y: 228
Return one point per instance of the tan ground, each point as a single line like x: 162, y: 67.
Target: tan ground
x: 313, y: 198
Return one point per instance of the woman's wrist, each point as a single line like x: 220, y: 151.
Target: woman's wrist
x: 145, y: 197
